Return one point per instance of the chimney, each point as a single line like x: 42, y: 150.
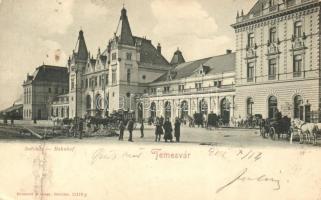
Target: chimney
x: 228, y: 51
x: 159, y: 49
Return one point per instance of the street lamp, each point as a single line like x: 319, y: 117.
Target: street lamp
x: 93, y: 90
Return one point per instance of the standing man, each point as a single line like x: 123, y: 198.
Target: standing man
x: 81, y: 128
x: 168, y: 130
x: 142, y: 129
x: 159, y: 130
x: 121, y: 130
x: 177, y: 129
x: 130, y: 128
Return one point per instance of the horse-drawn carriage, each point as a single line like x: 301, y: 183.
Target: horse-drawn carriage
x: 276, y: 128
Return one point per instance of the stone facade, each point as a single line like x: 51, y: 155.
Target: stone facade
x: 278, y: 58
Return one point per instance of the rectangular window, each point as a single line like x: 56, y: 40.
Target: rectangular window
x: 166, y: 89
x: 114, y: 80
x: 128, y: 56
x: 56, y: 90
x: 298, y: 29
x: 128, y: 75
x: 86, y: 82
x: 113, y: 56
x: 49, y: 90
x: 99, y: 80
x: 297, y: 66
x: 273, y: 35
x: 96, y: 81
x: 219, y: 84
x: 272, y: 69
x: 250, y: 40
x: 250, y: 72
x: 82, y: 84
x: 181, y: 88
x: 107, y: 79
x: 72, y: 84
x: 198, y: 86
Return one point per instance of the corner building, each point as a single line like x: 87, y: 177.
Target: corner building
x: 278, y: 59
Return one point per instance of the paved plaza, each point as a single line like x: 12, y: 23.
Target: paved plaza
x: 189, y: 136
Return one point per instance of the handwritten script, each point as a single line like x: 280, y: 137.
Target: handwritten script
x: 242, y: 177
x: 103, y: 154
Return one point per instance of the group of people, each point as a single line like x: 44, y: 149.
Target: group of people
x: 162, y: 127
x: 166, y: 128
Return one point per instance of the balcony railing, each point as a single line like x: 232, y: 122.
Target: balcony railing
x: 212, y: 89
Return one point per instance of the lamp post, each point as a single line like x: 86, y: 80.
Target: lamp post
x: 93, y: 90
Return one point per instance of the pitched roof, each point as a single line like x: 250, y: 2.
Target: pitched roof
x: 12, y: 108
x: 51, y: 74
x: 258, y: 7
x: 81, y: 48
x: 177, y: 58
x: 123, y: 30
x: 214, y: 65
x: 148, y: 53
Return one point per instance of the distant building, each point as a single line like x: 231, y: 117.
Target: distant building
x: 39, y: 89
x: 278, y: 58
x: 13, y: 112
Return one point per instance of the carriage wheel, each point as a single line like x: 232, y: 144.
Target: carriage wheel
x: 272, y: 133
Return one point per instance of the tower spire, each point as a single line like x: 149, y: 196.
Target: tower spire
x: 81, y: 48
x: 123, y: 30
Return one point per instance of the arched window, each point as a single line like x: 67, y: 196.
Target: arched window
x: 98, y: 102
x: 225, y: 110
x: 297, y: 101
x: 153, y: 110
x: 249, y: 106
x: 88, y: 102
x: 203, y: 107
x: 168, y: 110
x: 184, y: 109
x: 272, y: 106
x: 298, y: 29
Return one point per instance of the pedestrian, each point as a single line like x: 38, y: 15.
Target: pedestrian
x: 121, y: 130
x: 168, y: 130
x: 159, y: 130
x: 81, y: 128
x: 130, y: 128
x: 177, y: 130
x: 142, y: 129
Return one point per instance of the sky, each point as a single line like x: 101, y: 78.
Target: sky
x: 34, y: 32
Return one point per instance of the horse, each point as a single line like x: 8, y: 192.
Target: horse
x: 306, y: 129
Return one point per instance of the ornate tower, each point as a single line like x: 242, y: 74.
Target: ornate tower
x: 76, y: 66
x: 124, y: 56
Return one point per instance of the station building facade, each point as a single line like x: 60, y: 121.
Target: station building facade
x: 278, y: 59
x: 276, y: 66
x: 131, y: 74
